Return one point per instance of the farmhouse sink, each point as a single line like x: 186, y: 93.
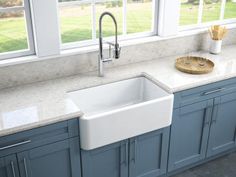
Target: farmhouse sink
x: 120, y: 110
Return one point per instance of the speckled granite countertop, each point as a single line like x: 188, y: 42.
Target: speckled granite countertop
x: 30, y: 106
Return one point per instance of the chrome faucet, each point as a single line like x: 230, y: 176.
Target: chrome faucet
x: 116, y: 47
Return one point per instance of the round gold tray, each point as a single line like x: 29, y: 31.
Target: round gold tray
x: 194, y: 65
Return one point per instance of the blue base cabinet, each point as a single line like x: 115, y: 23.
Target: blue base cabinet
x: 8, y: 166
x: 223, y: 127
x: 142, y: 156
x: 111, y: 160
x: 189, y: 134
x: 60, y: 159
x: 148, y: 154
x: 49, y: 151
x: 204, y: 124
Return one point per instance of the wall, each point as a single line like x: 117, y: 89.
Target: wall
x: 57, y: 67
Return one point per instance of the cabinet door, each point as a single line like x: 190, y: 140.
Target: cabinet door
x: 8, y: 166
x: 148, y: 154
x: 223, y: 126
x: 108, y: 161
x: 61, y: 159
x: 189, y: 134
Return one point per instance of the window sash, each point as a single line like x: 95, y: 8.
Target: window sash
x: 201, y: 24
x: 12, y: 54
x: 123, y: 36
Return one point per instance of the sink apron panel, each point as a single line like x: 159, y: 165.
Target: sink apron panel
x: 120, y: 124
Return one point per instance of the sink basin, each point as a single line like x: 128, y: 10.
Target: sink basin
x: 120, y: 110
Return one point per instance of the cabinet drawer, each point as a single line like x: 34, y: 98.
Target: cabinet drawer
x: 37, y: 137
x: 204, y: 92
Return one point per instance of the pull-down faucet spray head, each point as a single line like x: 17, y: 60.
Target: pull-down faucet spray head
x: 117, y: 51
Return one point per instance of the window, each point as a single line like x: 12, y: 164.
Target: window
x: 204, y: 11
x: 15, y: 28
x: 79, y: 19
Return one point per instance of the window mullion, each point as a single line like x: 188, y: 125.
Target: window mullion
x: 222, y: 10
x: 168, y: 23
x: 29, y: 26
x: 155, y: 16
x: 93, y: 20
x: 124, y: 17
x: 200, y: 11
x: 46, y: 27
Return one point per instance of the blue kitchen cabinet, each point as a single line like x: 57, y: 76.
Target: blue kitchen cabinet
x: 60, y: 159
x: 141, y: 156
x: 8, y: 166
x: 148, y: 154
x: 189, y: 134
x: 223, y: 125
x: 107, y: 161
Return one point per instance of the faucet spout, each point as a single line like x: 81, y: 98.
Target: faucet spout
x: 116, y: 51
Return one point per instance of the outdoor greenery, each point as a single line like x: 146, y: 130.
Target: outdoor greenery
x: 76, y: 21
x: 211, y: 11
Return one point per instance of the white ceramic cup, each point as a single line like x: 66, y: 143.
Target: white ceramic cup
x: 215, y: 46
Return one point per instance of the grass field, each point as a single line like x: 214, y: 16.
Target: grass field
x: 76, y: 22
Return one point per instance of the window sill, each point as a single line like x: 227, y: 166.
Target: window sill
x: 94, y: 48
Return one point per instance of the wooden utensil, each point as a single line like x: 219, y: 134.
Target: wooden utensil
x: 217, y: 32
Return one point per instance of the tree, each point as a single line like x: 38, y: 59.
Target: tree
x: 9, y: 3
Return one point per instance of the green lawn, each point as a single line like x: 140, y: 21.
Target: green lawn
x: 12, y: 34
x: 76, y: 22
x: 77, y: 26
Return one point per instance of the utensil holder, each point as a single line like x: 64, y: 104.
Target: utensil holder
x: 215, y: 47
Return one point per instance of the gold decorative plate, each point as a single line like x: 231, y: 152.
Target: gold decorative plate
x: 194, y: 65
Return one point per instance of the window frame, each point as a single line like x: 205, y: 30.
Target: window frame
x: 29, y: 31
x: 124, y: 36
x: 45, y: 38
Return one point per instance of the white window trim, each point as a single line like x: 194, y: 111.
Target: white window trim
x: 29, y: 31
x: 168, y: 22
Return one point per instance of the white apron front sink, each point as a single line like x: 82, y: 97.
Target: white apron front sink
x: 120, y: 110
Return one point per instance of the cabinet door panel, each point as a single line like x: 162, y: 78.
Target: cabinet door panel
x: 108, y: 161
x: 61, y: 159
x: 223, y: 126
x: 8, y: 166
x: 189, y: 134
x: 148, y: 154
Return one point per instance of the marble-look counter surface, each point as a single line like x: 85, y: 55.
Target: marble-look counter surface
x: 34, y: 105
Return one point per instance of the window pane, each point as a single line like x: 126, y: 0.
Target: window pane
x: 75, y: 22
x: 230, y: 9
x: 115, y: 7
x: 10, y: 3
x: 211, y: 10
x: 13, y: 33
x: 189, y: 12
x: 139, y: 16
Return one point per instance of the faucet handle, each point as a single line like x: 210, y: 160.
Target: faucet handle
x: 116, y: 51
